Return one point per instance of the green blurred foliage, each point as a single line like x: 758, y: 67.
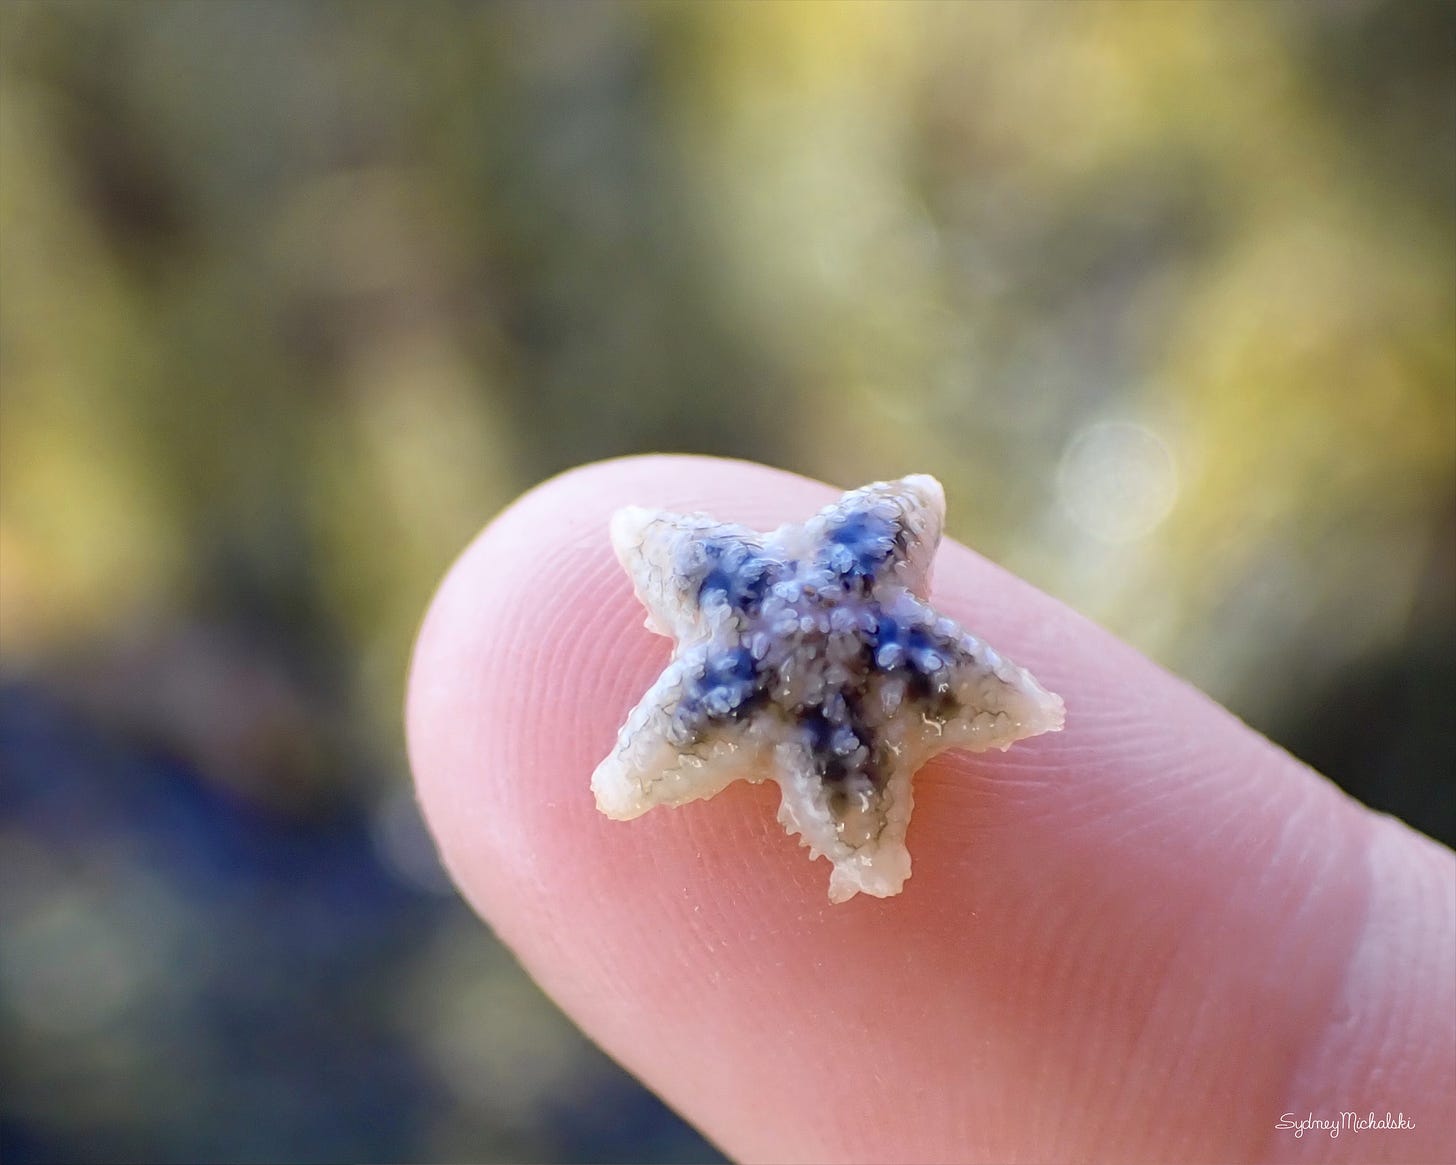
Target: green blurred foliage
x: 297, y: 296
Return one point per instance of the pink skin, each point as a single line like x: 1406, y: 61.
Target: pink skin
x: 1145, y: 938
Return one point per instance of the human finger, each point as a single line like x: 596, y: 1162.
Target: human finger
x: 1148, y: 937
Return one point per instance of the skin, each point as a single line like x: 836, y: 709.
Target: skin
x: 1145, y: 938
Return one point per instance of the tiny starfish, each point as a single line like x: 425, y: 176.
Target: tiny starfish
x: 810, y: 656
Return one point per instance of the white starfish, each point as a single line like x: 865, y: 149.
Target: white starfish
x: 810, y: 656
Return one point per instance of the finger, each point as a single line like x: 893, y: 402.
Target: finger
x: 1147, y: 937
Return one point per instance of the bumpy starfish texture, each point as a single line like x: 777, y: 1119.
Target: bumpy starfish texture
x: 810, y: 656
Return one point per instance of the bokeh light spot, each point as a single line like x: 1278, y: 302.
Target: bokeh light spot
x: 1117, y: 480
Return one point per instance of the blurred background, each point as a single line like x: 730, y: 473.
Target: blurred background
x: 297, y: 296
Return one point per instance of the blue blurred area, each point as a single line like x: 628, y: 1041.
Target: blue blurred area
x: 204, y: 979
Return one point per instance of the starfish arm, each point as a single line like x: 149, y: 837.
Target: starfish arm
x: 693, y: 574
x: 649, y: 544
x: 1000, y: 702
x: 860, y: 828
x: 884, y: 534
x: 966, y: 693
x: 680, y: 743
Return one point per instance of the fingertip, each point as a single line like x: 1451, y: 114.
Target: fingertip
x: 1084, y: 910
